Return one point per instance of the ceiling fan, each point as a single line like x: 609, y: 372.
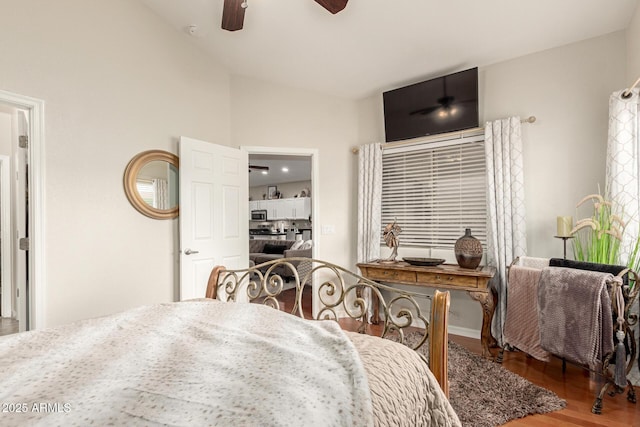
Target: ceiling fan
x: 259, y: 168
x: 233, y: 11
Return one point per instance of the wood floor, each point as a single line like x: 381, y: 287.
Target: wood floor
x: 576, y: 386
x: 8, y: 326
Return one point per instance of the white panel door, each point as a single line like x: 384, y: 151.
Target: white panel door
x: 214, y: 190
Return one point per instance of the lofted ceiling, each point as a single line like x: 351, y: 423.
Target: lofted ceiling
x: 376, y: 45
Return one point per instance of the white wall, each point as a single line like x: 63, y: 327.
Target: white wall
x: 264, y: 114
x: 116, y: 80
x: 633, y: 47
x: 567, y: 89
x: 5, y: 133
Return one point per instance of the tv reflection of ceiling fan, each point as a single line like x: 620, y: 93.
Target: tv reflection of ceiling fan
x: 233, y: 11
x: 259, y: 168
x: 445, y: 106
x: 443, y: 103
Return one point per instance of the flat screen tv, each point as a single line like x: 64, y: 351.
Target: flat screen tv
x: 443, y: 104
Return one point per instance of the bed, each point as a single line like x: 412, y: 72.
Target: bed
x: 213, y: 362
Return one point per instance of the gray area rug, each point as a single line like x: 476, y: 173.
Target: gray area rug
x: 484, y: 394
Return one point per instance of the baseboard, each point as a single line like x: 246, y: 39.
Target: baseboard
x: 465, y: 332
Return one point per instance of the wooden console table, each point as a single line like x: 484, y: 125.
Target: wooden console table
x: 444, y: 276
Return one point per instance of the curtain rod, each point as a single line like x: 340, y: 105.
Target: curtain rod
x: 627, y: 92
x: 530, y: 119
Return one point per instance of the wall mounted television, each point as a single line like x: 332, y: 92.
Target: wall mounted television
x: 444, y: 104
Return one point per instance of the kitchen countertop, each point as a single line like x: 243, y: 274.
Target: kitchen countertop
x: 273, y: 233
x: 266, y: 232
x: 300, y: 230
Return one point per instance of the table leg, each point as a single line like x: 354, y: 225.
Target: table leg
x: 488, y: 307
x: 375, y: 304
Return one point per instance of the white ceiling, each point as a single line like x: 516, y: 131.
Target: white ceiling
x: 376, y: 45
x: 299, y: 169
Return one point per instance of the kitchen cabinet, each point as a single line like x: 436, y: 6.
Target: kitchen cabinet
x: 301, y: 208
x: 272, y: 209
x: 256, y: 205
x: 280, y: 209
x: 296, y: 208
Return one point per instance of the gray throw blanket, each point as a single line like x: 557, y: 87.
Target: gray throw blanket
x: 575, y: 315
x: 521, y: 324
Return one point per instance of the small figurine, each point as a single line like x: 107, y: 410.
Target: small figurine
x: 390, y: 235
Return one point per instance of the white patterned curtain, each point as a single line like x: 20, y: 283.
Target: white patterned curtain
x: 506, y: 224
x: 622, y: 174
x: 160, y: 193
x: 623, y: 162
x: 369, y: 208
x: 369, y: 201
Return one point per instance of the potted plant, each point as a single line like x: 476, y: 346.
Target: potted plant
x: 597, y: 238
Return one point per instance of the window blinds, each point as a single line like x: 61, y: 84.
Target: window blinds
x: 435, y: 190
x: 146, y: 191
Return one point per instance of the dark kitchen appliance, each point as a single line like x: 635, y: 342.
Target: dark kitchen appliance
x: 259, y: 215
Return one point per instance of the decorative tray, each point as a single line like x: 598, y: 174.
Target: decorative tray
x: 424, y: 261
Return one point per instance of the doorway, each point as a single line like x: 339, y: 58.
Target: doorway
x: 8, y: 317
x: 21, y: 213
x: 281, y: 186
x: 198, y: 252
x: 276, y: 157
x: 290, y: 187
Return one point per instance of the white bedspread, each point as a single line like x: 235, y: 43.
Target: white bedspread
x: 190, y: 363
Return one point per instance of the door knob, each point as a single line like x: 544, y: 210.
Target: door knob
x: 190, y: 252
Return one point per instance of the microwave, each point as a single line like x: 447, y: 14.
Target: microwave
x: 260, y: 215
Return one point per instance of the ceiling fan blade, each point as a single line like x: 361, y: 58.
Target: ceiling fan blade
x: 233, y: 15
x: 333, y: 6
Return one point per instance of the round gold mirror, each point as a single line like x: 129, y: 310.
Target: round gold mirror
x: 151, y: 184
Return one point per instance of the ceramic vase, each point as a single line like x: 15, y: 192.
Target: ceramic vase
x: 468, y: 250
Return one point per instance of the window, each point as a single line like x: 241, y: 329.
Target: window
x: 146, y: 191
x: 435, y: 190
